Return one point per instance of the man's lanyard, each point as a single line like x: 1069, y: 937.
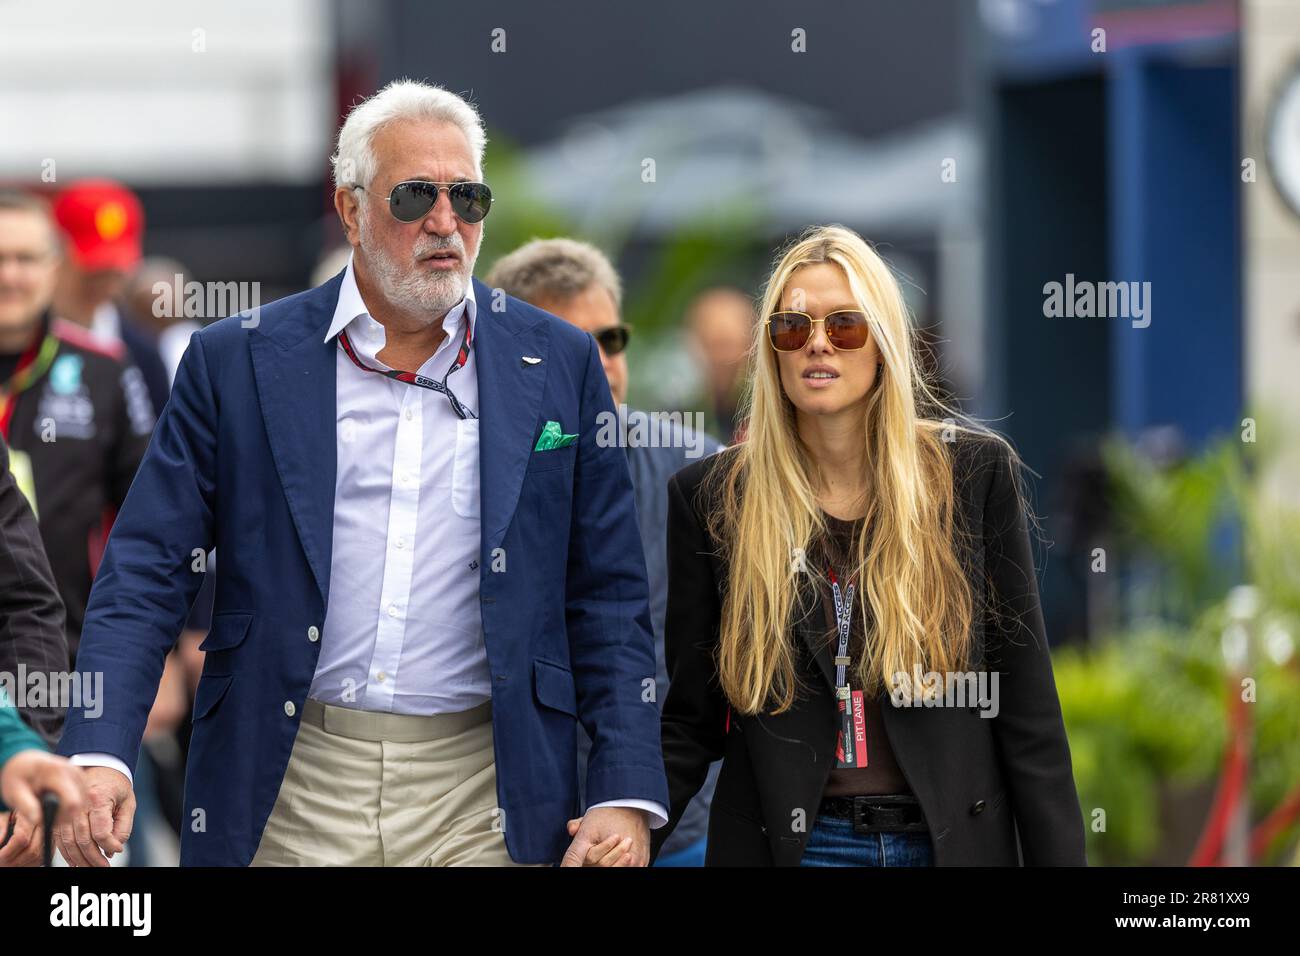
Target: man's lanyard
x: 843, y: 624
x: 34, y: 363
x: 411, y: 378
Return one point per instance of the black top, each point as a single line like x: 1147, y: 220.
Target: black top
x: 881, y: 773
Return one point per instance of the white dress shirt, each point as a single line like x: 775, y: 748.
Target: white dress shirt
x: 403, y: 634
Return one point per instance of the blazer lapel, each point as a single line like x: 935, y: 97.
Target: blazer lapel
x: 295, y: 373
x: 510, y: 400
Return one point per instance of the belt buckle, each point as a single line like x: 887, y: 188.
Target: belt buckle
x: 876, y: 814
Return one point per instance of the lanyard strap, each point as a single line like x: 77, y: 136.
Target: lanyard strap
x: 33, y: 364
x: 411, y: 378
x: 843, y: 624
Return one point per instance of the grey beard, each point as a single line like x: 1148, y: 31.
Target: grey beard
x: 424, y: 296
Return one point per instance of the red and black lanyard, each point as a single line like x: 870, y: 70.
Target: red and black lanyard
x: 31, y: 366
x: 851, y: 745
x: 412, y: 378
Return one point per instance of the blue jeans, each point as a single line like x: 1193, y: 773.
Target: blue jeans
x: 834, y: 842
x: 692, y: 855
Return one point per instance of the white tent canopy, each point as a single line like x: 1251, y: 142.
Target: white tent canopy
x: 780, y: 163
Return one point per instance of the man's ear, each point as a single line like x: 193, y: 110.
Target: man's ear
x: 347, y: 204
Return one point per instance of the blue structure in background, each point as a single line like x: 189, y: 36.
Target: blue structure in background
x: 1115, y: 166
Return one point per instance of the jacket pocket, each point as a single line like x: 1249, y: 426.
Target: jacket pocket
x: 748, y: 817
x: 228, y: 630
x: 553, y: 684
x: 210, y: 692
x: 552, y: 459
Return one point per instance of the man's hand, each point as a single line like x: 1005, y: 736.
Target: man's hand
x: 609, y: 836
x: 103, y: 824
x: 24, y: 778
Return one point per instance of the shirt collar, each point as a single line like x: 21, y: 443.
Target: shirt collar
x: 351, y: 312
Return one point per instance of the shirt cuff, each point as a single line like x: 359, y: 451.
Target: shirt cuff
x: 658, y: 813
x: 95, y: 759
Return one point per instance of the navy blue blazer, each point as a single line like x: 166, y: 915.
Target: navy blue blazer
x: 243, y: 459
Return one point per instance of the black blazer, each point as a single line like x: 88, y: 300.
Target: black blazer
x: 979, y: 780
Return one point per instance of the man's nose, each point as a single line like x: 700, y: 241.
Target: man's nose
x: 440, y: 219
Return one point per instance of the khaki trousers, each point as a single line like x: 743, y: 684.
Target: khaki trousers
x: 372, y: 789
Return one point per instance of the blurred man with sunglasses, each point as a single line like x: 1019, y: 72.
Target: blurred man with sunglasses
x: 577, y: 282
x: 413, y: 610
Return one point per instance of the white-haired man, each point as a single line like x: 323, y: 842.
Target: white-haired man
x: 411, y: 612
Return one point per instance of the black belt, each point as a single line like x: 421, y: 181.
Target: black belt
x: 878, y: 813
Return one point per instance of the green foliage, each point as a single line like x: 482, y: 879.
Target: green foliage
x: 1146, y: 709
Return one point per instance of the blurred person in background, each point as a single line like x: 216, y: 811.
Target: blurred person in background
x: 404, y: 595
x: 719, y: 329
x: 858, y: 542
x: 103, y: 224
x: 77, y: 418
x: 33, y: 631
x: 576, y: 281
x: 154, y: 295
x: 32, y: 638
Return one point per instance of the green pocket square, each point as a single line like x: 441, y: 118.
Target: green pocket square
x: 553, y: 437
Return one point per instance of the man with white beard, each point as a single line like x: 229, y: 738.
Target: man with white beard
x: 412, y: 610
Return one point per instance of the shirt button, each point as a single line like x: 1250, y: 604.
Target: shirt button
x: 400, y: 545
x: 289, y: 709
x: 409, y: 414
x: 313, y: 634
x: 381, y: 676
x: 392, y: 610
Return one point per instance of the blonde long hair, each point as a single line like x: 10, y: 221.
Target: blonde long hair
x: 768, y: 515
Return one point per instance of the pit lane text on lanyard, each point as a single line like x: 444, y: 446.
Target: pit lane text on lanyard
x: 851, y: 745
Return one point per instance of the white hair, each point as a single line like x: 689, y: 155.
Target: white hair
x: 354, y: 160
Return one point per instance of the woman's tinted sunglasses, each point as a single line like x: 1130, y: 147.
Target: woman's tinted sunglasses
x: 411, y: 201
x: 846, y: 329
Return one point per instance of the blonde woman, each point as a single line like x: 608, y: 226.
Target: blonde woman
x: 853, y: 623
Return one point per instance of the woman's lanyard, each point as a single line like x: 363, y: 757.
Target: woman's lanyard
x: 851, y: 742
x: 843, y: 624
x: 411, y: 378
x: 33, y: 364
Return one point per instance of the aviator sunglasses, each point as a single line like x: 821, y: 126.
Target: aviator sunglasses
x: 846, y: 329
x: 412, y: 200
x: 613, y: 339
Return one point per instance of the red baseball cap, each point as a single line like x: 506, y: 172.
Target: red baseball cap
x: 104, y: 223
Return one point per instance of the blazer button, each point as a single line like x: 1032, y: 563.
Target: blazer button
x: 313, y: 634
x: 289, y: 709
x: 977, y: 807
